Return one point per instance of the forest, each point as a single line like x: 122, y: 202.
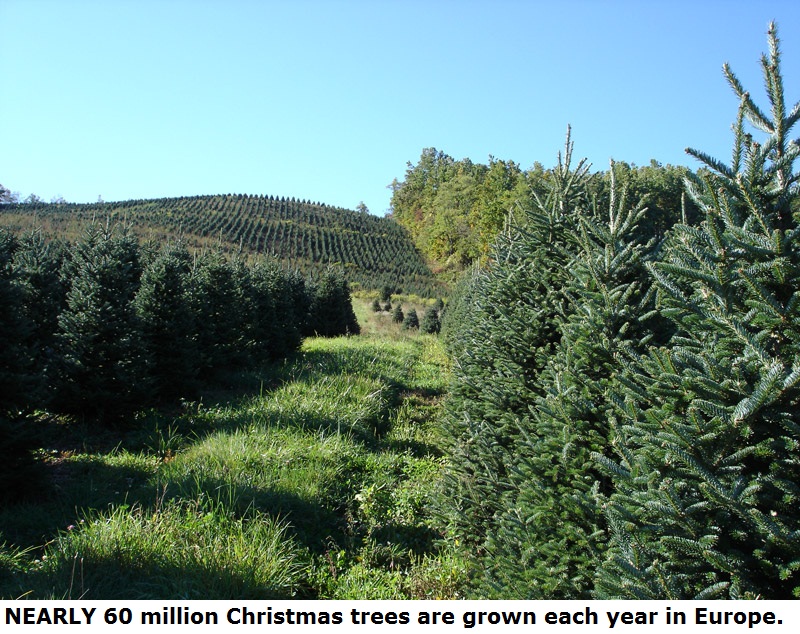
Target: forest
x: 610, y: 411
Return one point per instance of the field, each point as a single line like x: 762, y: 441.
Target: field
x: 316, y: 478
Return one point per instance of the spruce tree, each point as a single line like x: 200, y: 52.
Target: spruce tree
x: 707, y: 476
x: 397, y: 314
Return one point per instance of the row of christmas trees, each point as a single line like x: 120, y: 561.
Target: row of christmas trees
x: 625, y: 411
x: 105, y: 326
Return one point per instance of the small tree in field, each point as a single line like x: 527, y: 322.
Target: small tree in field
x: 430, y: 323
x: 411, y: 321
x: 397, y: 314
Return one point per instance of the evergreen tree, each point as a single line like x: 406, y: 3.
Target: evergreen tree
x: 332, y: 307
x: 279, y: 310
x: 505, y: 328
x: 222, y: 311
x: 15, y: 360
x: 376, y: 306
x: 430, y: 322
x: 37, y: 265
x: 411, y: 321
x: 552, y: 530
x: 707, y: 477
x: 397, y: 314
x: 167, y: 325
x: 102, y: 366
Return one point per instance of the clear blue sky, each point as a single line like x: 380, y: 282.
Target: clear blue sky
x: 327, y: 100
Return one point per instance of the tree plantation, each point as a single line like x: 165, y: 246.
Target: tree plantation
x: 298, y: 234
x: 611, y: 410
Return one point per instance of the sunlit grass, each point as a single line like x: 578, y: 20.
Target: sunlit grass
x: 318, y: 484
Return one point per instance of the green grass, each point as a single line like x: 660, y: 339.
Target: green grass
x: 319, y: 483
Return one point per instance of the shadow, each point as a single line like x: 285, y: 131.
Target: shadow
x: 146, y: 577
x: 312, y: 523
x: 415, y: 448
x: 75, y: 486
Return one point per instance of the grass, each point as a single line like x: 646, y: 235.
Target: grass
x: 318, y: 484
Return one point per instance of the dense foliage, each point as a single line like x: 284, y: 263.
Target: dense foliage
x: 455, y: 210
x: 375, y: 252
x: 105, y: 327
x: 623, y: 416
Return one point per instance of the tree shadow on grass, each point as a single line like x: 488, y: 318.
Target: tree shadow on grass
x: 121, y: 577
x: 311, y: 523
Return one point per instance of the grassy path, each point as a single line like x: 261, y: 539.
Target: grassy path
x: 321, y: 485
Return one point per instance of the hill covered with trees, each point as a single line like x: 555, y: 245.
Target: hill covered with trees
x: 455, y: 209
x: 374, y: 252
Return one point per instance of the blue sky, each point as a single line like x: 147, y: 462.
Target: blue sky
x: 327, y: 100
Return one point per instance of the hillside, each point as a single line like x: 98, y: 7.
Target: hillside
x: 374, y: 251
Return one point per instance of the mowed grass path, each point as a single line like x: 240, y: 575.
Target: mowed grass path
x: 319, y: 486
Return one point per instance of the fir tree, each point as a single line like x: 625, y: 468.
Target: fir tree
x: 101, y: 361
x: 280, y: 307
x: 707, y: 477
x: 332, y: 307
x: 430, y: 323
x: 552, y: 530
x: 221, y: 307
x: 37, y: 265
x: 504, y: 331
x: 397, y: 314
x: 411, y: 321
x: 376, y: 306
x: 167, y: 325
x: 15, y: 360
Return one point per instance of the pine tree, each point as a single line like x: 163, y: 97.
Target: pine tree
x: 397, y: 314
x: 376, y: 306
x: 707, y: 477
